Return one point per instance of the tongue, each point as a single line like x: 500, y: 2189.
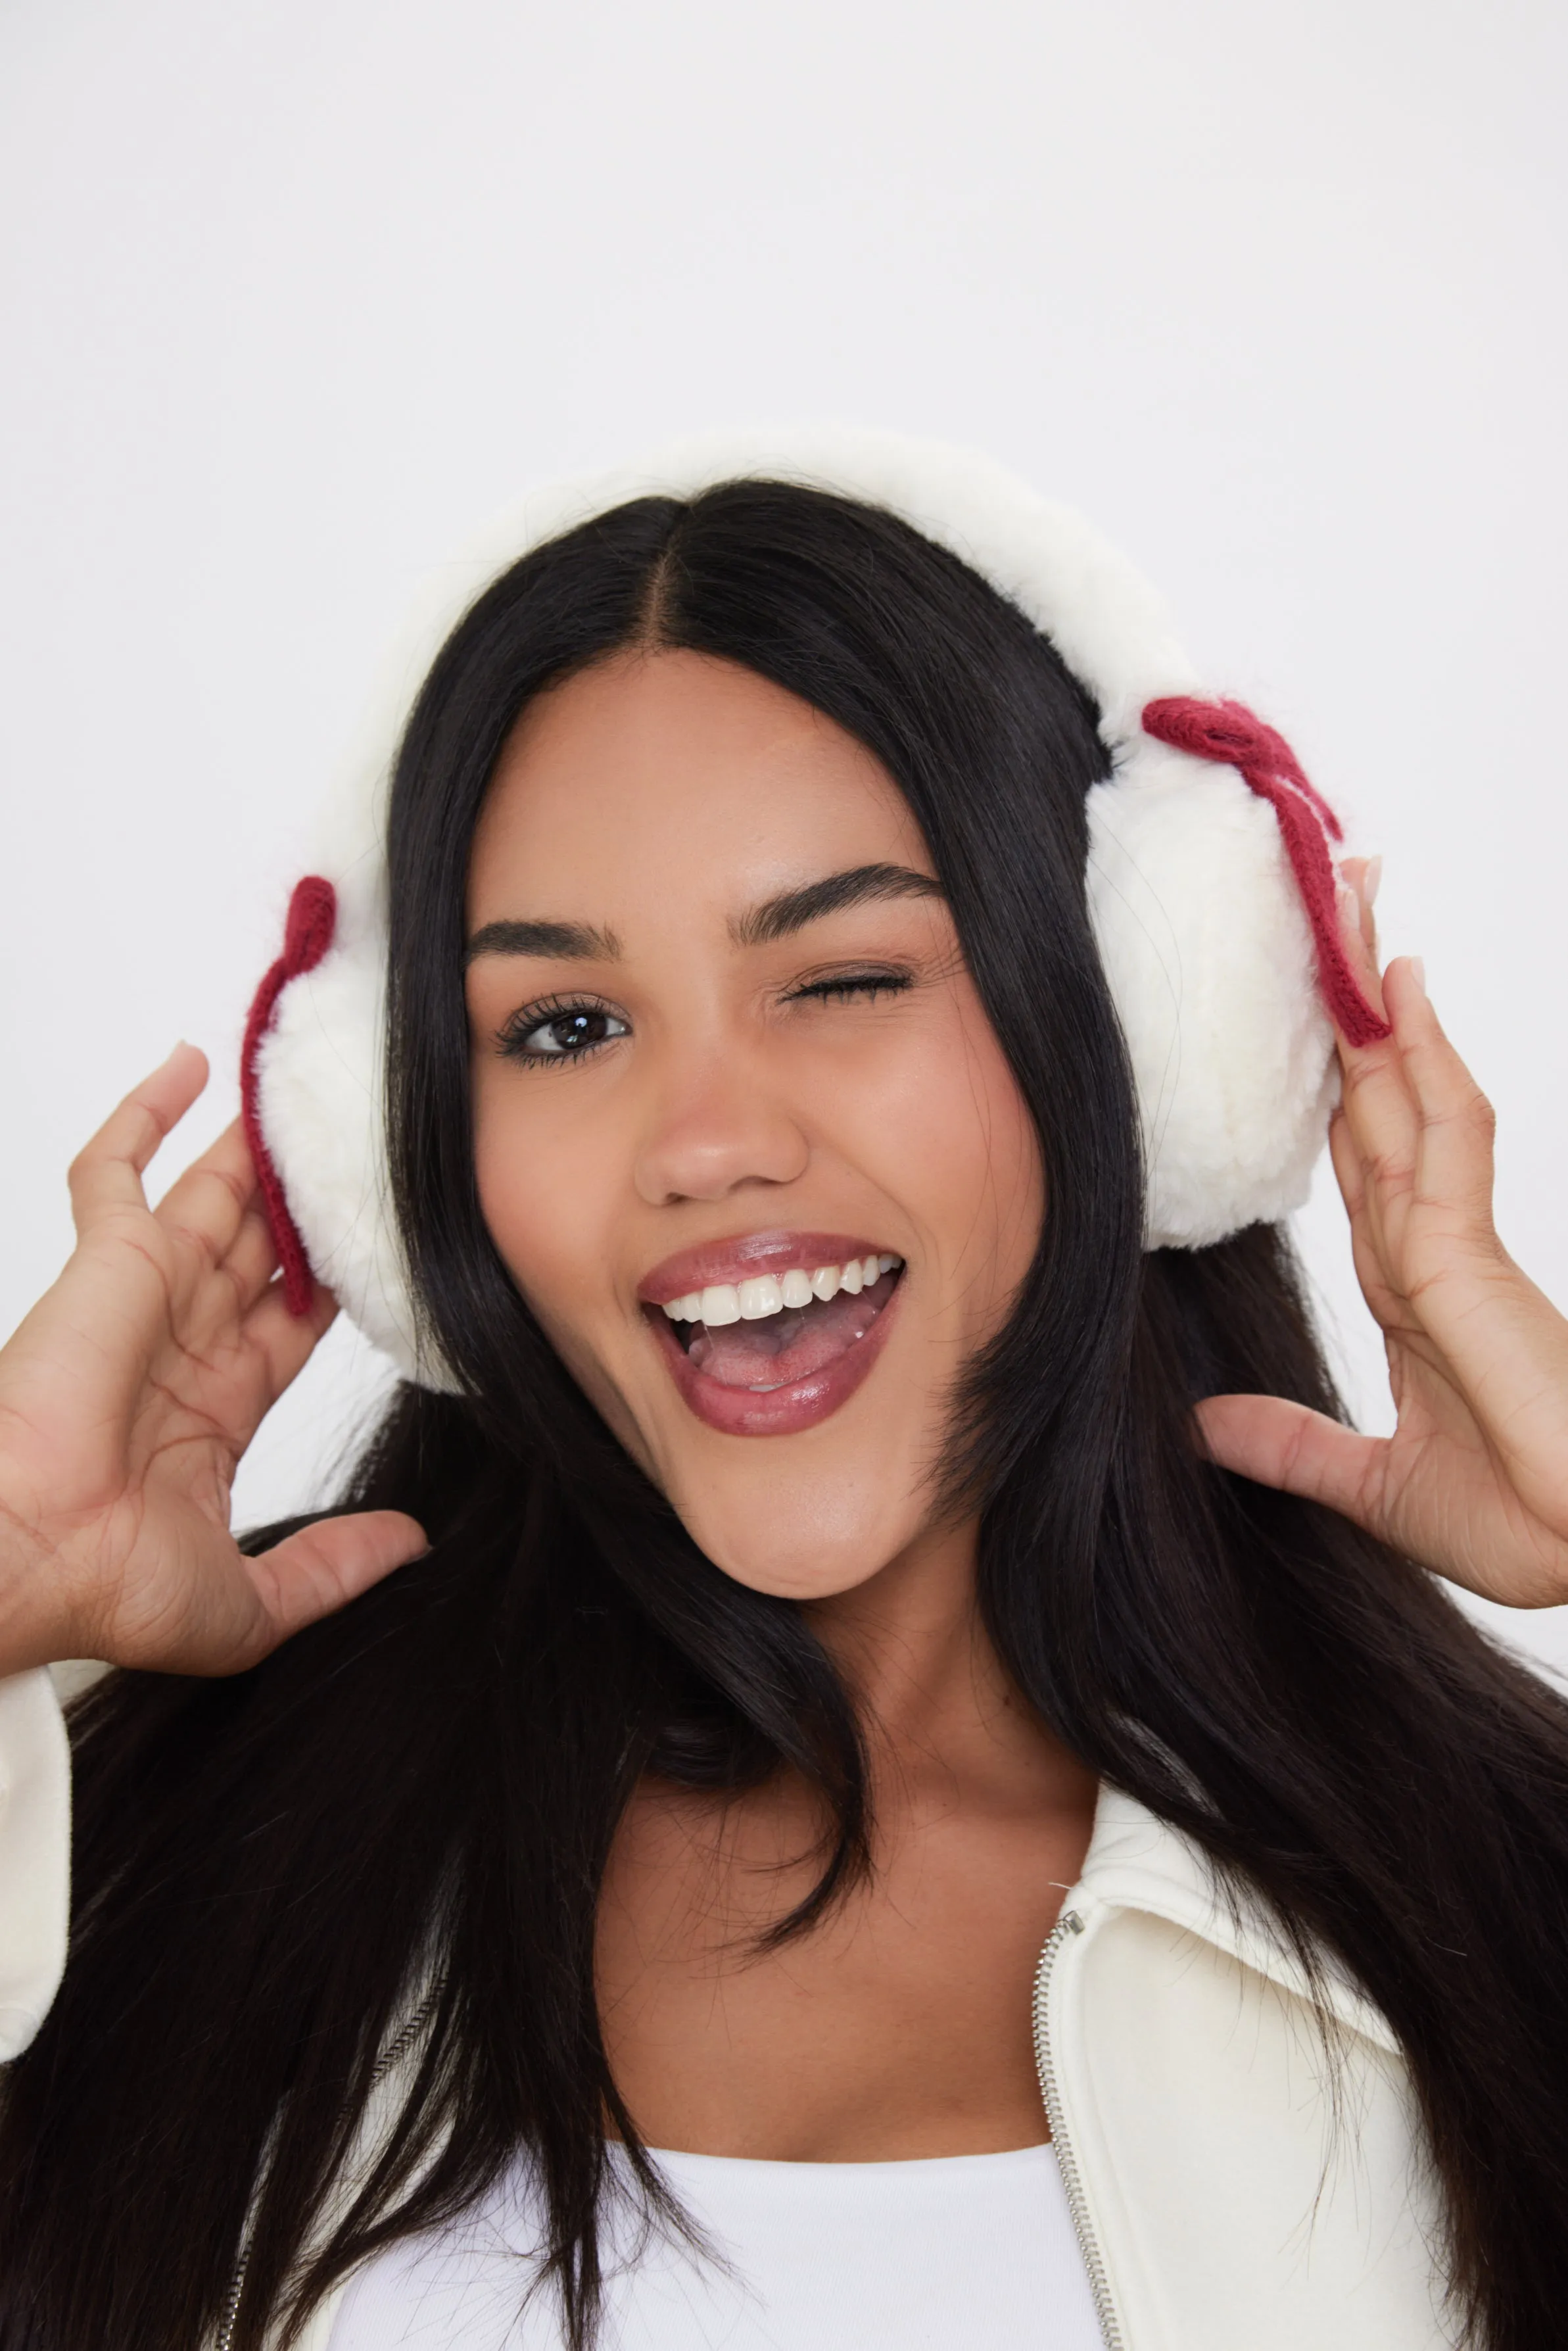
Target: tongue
x: 784, y: 1348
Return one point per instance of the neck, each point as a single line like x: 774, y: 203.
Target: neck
x: 935, y: 1700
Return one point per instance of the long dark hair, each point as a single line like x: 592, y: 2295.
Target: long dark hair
x: 406, y: 1810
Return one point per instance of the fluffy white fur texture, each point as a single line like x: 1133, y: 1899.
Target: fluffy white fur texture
x: 1204, y: 938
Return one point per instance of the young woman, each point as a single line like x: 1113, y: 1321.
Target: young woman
x: 869, y: 1761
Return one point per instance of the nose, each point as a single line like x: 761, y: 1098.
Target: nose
x: 714, y: 1131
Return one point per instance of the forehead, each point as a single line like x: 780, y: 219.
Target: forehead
x: 674, y: 771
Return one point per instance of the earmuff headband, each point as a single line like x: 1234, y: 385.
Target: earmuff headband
x: 1211, y: 887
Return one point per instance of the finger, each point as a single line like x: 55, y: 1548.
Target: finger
x: 1455, y: 1123
x: 1284, y: 1444
x: 1374, y: 1094
x: 205, y: 1206
x: 1373, y: 1270
x: 1381, y: 1124
x: 107, y: 1173
x: 226, y: 1296
x: 326, y: 1565
x: 252, y: 1260
x: 1349, y: 1168
x: 1369, y: 1240
x: 284, y: 1341
x: 1358, y: 881
x: 1360, y: 877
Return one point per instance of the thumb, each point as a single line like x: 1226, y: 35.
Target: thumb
x: 1284, y: 1444
x: 324, y: 1566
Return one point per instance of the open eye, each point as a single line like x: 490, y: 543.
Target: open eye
x: 560, y: 1032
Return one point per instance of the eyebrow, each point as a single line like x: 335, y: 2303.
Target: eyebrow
x: 774, y: 919
x: 576, y: 942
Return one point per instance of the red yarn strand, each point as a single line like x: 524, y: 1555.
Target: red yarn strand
x: 1233, y: 736
x: 307, y: 934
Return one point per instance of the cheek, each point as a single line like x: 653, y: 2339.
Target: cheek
x: 537, y: 1195
x: 955, y: 1143
x: 1003, y: 1164
x: 549, y: 1201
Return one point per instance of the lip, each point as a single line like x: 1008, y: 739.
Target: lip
x: 750, y: 1254
x: 743, y: 1412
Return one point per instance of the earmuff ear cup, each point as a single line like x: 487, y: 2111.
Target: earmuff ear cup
x: 1211, y: 967
x: 321, y: 1101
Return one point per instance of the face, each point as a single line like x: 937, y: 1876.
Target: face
x: 743, y: 1135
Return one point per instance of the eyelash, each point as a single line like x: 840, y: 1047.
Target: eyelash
x: 512, y: 1041
x: 845, y: 987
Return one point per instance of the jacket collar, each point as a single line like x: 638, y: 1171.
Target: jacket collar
x: 1138, y: 1862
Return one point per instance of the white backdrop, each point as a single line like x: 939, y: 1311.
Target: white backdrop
x: 296, y: 292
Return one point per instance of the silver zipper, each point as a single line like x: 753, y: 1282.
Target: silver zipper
x: 1069, y: 1923
x: 397, y: 2048
x: 225, y: 2337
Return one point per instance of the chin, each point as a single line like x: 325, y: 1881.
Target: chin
x: 800, y: 1532
x: 801, y: 1574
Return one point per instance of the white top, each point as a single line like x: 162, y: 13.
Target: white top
x: 975, y: 2251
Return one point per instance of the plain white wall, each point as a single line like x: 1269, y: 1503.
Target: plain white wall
x: 296, y: 292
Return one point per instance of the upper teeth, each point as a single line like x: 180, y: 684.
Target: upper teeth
x: 767, y: 1293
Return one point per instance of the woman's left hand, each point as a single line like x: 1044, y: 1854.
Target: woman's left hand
x: 1474, y: 1481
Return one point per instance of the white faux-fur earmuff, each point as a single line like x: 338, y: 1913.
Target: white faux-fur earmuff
x: 1210, y: 883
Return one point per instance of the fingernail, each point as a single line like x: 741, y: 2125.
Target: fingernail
x: 1372, y: 880
x: 1418, y: 973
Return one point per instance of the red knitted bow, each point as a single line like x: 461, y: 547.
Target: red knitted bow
x: 1229, y: 732
x: 307, y: 934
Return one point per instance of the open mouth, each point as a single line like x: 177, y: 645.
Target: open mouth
x: 781, y: 1347
x: 768, y: 1332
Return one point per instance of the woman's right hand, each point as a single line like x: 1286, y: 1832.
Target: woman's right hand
x: 127, y: 1398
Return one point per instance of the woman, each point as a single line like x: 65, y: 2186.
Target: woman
x: 862, y: 1658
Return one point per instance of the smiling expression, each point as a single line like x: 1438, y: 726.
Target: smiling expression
x: 743, y: 1135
